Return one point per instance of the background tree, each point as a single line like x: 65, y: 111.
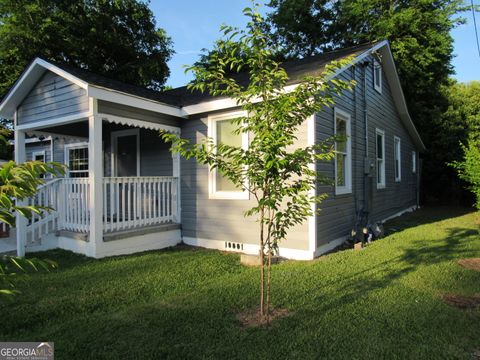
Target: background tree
x: 273, y: 170
x: 419, y: 34
x: 118, y: 39
x: 461, y: 125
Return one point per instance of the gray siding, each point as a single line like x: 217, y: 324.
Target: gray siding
x: 338, y: 212
x: 53, y: 96
x: 218, y: 219
x: 30, y: 148
x: 155, y: 156
x: 135, y: 113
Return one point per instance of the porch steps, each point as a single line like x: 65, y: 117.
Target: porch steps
x: 119, y: 235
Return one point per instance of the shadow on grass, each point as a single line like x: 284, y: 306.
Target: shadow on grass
x: 453, y: 247
x: 426, y: 215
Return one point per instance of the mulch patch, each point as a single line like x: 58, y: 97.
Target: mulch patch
x: 472, y: 264
x: 462, y: 302
x: 252, y: 318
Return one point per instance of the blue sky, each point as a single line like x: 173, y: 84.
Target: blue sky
x: 194, y: 25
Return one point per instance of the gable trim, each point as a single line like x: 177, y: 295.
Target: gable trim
x: 133, y: 101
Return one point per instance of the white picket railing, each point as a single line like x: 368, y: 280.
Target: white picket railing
x: 128, y: 203
x: 49, y: 196
x: 133, y: 202
x: 76, y: 216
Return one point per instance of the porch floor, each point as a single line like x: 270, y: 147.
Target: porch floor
x: 123, y: 234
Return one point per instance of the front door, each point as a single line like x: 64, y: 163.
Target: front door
x: 125, y: 163
x: 126, y: 156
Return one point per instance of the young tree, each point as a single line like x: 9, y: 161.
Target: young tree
x: 275, y: 172
x: 118, y: 39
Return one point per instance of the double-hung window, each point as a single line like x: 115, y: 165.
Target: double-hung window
x: 380, y: 147
x: 76, y: 158
x: 414, y: 162
x: 222, y: 131
x: 397, y: 152
x: 377, y: 76
x: 343, y: 153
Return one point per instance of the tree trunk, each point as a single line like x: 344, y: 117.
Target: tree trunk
x: 262, y: 267
x: 269, y: 276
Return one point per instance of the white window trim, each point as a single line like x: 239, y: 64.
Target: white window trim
x: 212, y: 173
x: 114, y: 143
x: 67, y: 148
x: 377, y: 65
x: 414, y: 162
x: 347, y: 189
x: 383, y: 184
x: 42, y: 153
x: 398, y: 177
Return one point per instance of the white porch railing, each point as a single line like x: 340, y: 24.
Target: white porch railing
x: 76, y: 216
x: 49, y: 195
x: 133, y: 202
x: 128, y: 203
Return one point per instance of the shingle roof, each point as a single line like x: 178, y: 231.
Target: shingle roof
x: 112, y: 84
x: 181, y: 96
x: 296, y: 70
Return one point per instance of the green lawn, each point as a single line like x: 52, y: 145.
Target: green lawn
x: 380, y: 303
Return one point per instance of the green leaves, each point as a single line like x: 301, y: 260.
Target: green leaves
x: 119, y: 39
x: 19, y: 182
x: 12, y: 266
x: 278, y: 172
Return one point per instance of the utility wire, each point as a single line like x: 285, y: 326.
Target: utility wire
x: 475, y: 25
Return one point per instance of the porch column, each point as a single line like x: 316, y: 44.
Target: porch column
x: 95, y: 177
x: 20, y: 221
x: 177, y: 195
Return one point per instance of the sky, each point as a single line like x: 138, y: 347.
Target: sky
x: 194, y: 25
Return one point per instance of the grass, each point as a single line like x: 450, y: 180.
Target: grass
x: 380, y: 303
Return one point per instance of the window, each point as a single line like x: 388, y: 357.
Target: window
x: 380, y: 142
x: 343, y: 153
x: 76, y: 158
x: 414, y: 162
x: 221, y: 130
x: 397, y: 153
x: 377, y: 76
x: 39, y: 156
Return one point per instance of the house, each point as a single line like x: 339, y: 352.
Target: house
x: 125, y: 192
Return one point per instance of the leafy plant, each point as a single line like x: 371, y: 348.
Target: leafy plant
x: 12, y: 266
x: 273, y: 170
x: 19, y: 182
x: 469, y: 168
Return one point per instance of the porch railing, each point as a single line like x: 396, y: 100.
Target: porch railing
x: 128, y: 203
x: 49, y: 196
x: 132, y: 202
x: 75, y: 215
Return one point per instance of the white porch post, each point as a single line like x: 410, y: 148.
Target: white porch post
x: 177, y: 199
x: 95, y: 177
x: 20, y: 222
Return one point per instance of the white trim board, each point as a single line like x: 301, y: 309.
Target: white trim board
x: 83, y: 116
x: 312, y: 220
x: 138, y: 123
x: 134, y: 101
x: 250, y: 249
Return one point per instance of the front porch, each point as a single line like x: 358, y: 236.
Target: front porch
x: 120, y: 193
